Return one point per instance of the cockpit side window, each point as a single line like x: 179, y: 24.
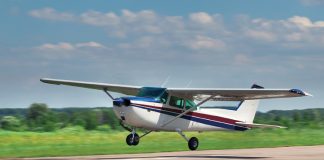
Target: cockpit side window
x: 176, y: 102
x: 190, y: 104
x: 180, y: 103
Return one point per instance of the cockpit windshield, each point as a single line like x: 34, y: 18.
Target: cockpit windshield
x: 153, y: 92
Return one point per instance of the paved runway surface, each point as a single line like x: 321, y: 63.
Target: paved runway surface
x: 281, y: 153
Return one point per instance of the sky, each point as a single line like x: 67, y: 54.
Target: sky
x: 204, y: 44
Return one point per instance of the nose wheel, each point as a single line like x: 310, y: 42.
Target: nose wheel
x: 132, y: 139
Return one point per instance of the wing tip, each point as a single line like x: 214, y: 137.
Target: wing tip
x: 300, y: 92
x: 47, y: 80
x: 44, y: 80
x: 308, y: 94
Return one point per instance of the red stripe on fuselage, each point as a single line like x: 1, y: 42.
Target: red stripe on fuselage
x: 200, y: 115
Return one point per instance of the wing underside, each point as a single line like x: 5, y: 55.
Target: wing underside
x: 124, y: 89
x: 221, y: 94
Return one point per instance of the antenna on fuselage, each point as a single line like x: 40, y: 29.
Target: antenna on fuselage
x: 165, y: 81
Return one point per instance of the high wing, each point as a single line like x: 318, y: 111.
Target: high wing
x: 124, y: 89
x: 223, y: 94
x: 213, y: 94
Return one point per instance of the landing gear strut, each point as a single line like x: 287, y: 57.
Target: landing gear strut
x: 193, y: 142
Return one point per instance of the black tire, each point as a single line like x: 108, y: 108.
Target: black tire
x: 193, y: 143
x: 129, y: 139
x: 132, y: 141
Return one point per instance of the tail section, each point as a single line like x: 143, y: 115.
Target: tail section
x: 247, y: 108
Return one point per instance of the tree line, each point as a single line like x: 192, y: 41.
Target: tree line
x: 40, y: 118
x: 306, y: 118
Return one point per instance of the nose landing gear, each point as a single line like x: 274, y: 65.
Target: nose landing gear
x: 132, y: 139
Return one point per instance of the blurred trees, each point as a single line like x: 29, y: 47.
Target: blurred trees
x: 40, y: 118
x: 10, y: 123
x: 307, y: 118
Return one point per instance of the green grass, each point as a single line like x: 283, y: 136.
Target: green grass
x: 75, y: 141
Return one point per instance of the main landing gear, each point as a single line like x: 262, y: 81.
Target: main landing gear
x: 193, y: 142
x: 133, y: 139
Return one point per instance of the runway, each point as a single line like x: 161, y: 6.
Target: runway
x: 280, y: 153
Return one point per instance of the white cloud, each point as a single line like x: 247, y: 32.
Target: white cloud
x: 59, y: 46
x: 51, y: 14
x: 204, y: 42
x: 305, y: 22
x: 291, y: 33
x: 176, y: 21
x: 65, y: 46
x: 147, y: 15
x: 294, y: 37
x: 198, y: 30
x: 301, y: 21
x: 201, y: 17
x: 261, y: 35
x: 90, y: 44
x: 99, y: 19
x: 143, y: 16
x: 65, y: 50
x: 129, y: 16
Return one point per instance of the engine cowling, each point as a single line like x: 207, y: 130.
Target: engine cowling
x: 121, y: 102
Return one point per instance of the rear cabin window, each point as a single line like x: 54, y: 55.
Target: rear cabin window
x: 180, y: 102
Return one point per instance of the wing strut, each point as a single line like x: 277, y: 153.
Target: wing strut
x: 188, y: 110
x: 109, y: 95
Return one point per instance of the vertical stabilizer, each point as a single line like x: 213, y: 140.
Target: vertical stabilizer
x: 247, y: 108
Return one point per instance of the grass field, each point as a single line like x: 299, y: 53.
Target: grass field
x: 75, y: 141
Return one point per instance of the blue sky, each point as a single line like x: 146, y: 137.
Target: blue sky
x: 277, y: 44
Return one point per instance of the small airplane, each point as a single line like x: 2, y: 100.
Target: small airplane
x: 174, y: 109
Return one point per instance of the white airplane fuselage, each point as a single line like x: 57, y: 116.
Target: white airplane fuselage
x: 153, y: 116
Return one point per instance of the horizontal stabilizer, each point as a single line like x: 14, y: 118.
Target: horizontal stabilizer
x: 255, y: 125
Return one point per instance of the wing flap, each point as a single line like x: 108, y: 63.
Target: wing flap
x: 124, y: 89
